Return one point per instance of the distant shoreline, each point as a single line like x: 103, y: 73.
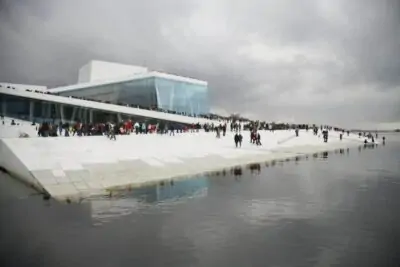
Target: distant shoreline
x: 377, y: 131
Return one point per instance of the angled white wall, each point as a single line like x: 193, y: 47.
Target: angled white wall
x: 10, y: 161
x: 102, y: 71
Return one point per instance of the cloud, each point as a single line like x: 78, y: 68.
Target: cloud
x: 306, y: 61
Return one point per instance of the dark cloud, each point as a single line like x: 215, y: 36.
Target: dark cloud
x: 311, y: 60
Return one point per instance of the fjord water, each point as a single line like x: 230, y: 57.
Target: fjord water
x: 336, y: 209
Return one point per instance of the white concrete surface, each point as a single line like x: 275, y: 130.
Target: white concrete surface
x: 10, y: 161
x: 12, y: 131
x: 69, y: 167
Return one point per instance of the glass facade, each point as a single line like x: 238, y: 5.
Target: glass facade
x: 137, y: 93
x: 182, y: 97
x: 153, y: 92
x: 44, y: 111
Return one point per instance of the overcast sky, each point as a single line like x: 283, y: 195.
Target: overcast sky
x: 334, y: 61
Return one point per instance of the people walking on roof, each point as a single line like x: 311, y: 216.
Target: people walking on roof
x: 325, y: 135
x: 137, y: 127
x: 171, y: 130
x: 111, y: 132
x: 253, y: 137
x: 258, y: 139
x: 238, y: 139
x: 144, y: 128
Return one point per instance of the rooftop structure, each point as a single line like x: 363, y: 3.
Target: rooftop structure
x: 132, y: 77
x: 23, y: 87
x: 135, y: 85
x: 114, y: 89
x: 34, y: 106
x: 95, y: 71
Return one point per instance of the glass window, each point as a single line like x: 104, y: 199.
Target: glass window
x: 41, y: 111
x: 137, y: 93
x: 16, y: 107
x: 184, y: 97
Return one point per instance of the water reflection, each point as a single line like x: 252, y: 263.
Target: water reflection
x: 314, y: 214
x: 370, y: 146
x: 237, y: 171
x: 123, y: 203
x: 254, y: 168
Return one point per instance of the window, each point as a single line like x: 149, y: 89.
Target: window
x: 181, y: 97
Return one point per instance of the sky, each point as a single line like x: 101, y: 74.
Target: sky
x: 309, y: 61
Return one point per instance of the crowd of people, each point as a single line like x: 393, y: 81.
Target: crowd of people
x: 112, y: 129
x: 128, y: 127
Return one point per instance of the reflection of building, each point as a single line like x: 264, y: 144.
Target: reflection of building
x: 116, y: 207
x: 108, y: 83
x: 180, y: 188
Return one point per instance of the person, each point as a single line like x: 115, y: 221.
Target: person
x: 258, y: 139
x: 137, y: 127
x: 325, y: 135
x: 111, y: 133
x: 171, y: 130
x: 236, y: 139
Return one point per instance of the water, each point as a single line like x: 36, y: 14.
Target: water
x: 334, y: 210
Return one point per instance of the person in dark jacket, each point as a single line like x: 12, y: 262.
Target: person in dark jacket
x: 258, y: 139
x: 236, y: 139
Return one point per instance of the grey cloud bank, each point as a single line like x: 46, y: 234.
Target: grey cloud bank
x: 302, y: 61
